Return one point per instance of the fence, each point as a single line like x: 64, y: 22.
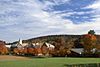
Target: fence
x: 83, y: 65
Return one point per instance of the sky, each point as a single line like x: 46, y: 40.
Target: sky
x: 26, y: 19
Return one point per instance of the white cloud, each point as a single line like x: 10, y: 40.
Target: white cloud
x: 95, y: 5
x: 96, y: 21
x: 57, y: 2
x: 31, y: 20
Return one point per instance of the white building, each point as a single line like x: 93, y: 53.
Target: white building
x: 8, y: 46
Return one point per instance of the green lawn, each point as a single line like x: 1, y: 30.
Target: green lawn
x: 47, y: 62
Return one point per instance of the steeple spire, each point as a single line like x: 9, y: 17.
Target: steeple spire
x: 20, y: 41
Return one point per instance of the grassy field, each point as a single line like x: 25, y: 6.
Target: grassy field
x: 47, y: 62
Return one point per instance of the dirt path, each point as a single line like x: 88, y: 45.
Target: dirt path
x: 7, y: 57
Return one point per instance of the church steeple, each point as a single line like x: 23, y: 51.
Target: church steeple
x: 20, y: 41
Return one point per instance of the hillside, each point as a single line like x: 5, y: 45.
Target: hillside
x: 67, y: 38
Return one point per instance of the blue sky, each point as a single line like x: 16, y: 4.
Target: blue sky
x: 33, y: 18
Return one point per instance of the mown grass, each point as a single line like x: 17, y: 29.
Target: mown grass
x: 47, y: 62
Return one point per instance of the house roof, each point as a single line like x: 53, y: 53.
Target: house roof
x: 50, y: 45
x: 8, y: 46
x: 77, y: 50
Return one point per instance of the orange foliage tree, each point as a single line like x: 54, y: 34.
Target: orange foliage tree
x: 31, y: 50
x: 3, y: 49
x: 18, y: 51
x: 89, y: 42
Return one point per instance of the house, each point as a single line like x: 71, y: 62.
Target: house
x: 49, y: 45
x: 8, y: 46
x: 76, y: 52
x: 47, y: 48
x: 43, y: 49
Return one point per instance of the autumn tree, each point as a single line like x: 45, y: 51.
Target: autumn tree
x: 3, y: 49
x: 62, y: 47
x: 89, y: 42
